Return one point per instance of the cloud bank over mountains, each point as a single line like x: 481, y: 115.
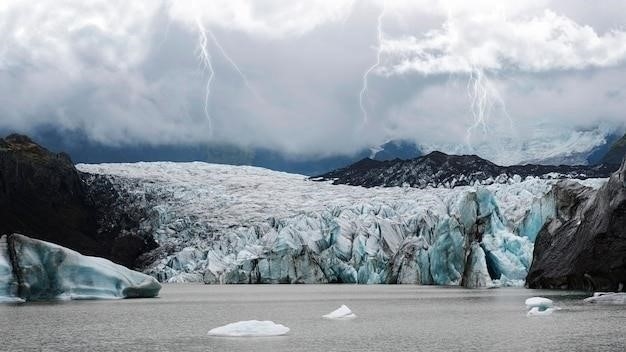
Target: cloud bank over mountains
x: 541, y: 77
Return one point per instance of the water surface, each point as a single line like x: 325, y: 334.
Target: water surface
x: 390, y: 318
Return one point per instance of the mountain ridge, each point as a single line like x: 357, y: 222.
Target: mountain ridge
x: 441, y: 169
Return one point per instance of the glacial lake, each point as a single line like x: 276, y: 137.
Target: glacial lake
x: 390, y: 318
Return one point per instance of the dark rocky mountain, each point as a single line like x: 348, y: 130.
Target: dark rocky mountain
x: 616, y: 153
x: 439, y: 169
x: 584, y: 247
x: 43, y: 196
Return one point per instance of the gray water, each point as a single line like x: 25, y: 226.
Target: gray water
x: 390, y: 318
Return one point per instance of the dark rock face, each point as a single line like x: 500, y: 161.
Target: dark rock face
x: 436, y: 169
x: 42, y: 195
x: 584, y: 247
x: 616, y: 153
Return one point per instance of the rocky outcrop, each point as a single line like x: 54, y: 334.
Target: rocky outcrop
x: 42, y: 195
x: 616, y: 153
x: 438, y: 169
x: 584, y: 246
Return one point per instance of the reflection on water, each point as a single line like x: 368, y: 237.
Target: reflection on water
x: 390, y: 318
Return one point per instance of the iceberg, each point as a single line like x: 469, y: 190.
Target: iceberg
x: 607, y: 298
x: 250, y: 328
x: 34, y: 270
x: 541, y: 303
x: 341, y: 313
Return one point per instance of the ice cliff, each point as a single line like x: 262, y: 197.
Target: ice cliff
x: 34, y: 270
x: 238, y: 224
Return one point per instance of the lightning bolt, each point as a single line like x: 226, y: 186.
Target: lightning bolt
x: 204, y: 55
x: 364, y: 87
x: 205, y: 58
x: 484, y: 98
x: 232, y: 62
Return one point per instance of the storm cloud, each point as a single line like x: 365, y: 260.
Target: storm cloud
x: 287, y: 74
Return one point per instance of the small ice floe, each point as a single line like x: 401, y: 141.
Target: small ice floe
x: 607, y: 298
x: 4, y: 299
x: 539, y: 302
x: 250, y: 328
x: 341, y: 313
x: 539, y: 306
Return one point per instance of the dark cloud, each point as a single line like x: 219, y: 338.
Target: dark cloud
x: 123, y: 73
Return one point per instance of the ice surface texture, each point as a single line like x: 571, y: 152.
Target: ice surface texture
x: 341, y: 313
x: 250, y: 328
x: 34, y: 270
x: 240, y: 224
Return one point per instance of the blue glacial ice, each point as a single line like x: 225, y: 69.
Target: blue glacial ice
x: 34, y: 270
x: 238, y: 224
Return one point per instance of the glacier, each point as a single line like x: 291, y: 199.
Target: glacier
x: 221, y: 224
x: 34, y: 270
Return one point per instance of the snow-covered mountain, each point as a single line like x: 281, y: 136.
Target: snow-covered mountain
x: 542, y: 144
x: 239, y: 224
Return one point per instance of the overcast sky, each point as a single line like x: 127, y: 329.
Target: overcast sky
x: 319, y: 77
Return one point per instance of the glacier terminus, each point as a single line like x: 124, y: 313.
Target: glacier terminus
x: 222, y: 224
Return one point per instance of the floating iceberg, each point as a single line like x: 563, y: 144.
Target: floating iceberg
x: 607, y: 298
x: 539, y: 306
x: 538, y: 312
x: 250, y: 328
x: 34, y: 270
x: 541, y: 303
x: 341, y: 313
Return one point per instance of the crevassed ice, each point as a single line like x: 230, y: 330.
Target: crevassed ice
x: 240, y: 224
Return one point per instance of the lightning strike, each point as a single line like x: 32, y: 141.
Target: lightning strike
x: 363, y: 92
x: 484, y: 99
x: 232, y: 62
x: 205, y: 58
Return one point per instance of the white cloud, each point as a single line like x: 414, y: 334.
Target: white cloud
x: 269, y: 18
x: 493, y: 41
